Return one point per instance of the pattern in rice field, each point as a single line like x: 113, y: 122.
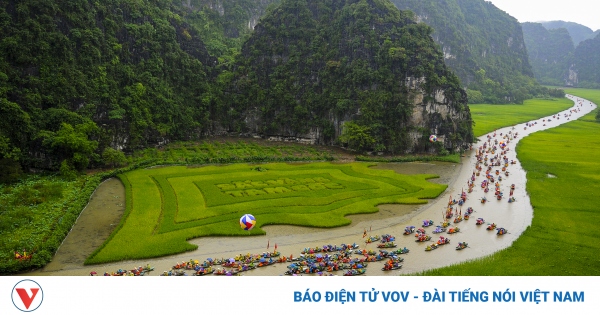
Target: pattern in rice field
x: 167, y: 206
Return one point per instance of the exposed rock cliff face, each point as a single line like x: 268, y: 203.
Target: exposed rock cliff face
x: 571, y: 79
x: 312, y: 66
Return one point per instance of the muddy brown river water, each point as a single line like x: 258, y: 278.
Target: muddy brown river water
x: 107, y: 204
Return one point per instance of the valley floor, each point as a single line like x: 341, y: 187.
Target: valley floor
x: 515, y: 217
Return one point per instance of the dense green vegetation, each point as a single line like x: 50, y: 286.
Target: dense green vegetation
x: 490, y: 117
x: 37, y: 213
x: 550, y: 53
x: 312, y: 65
x: 224, y: 25
x: 210, y: 200
x: 78, y: 76
x: 483, y: 45
x: 587, y: 63
x: 561, y: 240
x: 82, y: 83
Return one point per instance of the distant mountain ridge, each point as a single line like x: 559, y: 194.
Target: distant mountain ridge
x: 482, y: 44
x: 558, y: 58
x: 577, y: 31
x: 550, y: 54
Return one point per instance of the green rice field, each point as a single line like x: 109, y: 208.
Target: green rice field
x: 562, y: 167
x: 169, y: 205
x: 490, y: 117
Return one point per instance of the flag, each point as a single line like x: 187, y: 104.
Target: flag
x: 268, y: 243
x: 365, y: 233
x: 275, y: 246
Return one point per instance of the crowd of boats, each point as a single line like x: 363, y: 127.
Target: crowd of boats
x: 352, y: 259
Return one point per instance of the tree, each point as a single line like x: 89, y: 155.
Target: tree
x: 72, y: 144
x: 357, y: 137
x: 113, y: 158
x: 15, y: 128
x: 475, y: 97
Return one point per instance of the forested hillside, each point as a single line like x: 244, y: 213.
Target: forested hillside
x: 554, y: 58
x: 359, y: 70
x: 587, y: 63
x: 77, y: 76
x: 82, y: 82
x: 483, y: 45
x: 223, y: 25
x: 550, y: 53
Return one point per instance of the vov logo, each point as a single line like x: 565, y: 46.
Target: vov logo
x: 27, y: 295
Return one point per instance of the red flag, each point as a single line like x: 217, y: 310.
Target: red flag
x: 268, y: 243
x: 365, y: 233
x: 275, y: 246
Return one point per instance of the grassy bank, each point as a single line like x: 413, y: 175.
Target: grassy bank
x: 563, y: 238
x: 36, y: 215
x: 167, y: 206
x: 490, y: 117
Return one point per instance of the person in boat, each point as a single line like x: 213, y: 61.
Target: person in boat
x: 18, y: 256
